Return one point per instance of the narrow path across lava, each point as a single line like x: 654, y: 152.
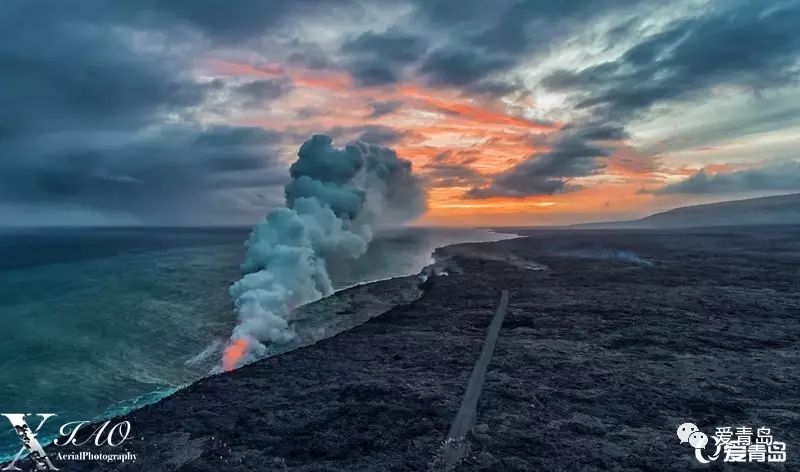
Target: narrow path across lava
x: 454, y: 446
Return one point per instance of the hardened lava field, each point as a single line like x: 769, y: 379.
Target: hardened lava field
x: 612, y: 339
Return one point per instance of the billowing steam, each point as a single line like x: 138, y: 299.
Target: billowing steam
x: 334, y: 202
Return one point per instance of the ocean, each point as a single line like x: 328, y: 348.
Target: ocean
x: 100, y: 321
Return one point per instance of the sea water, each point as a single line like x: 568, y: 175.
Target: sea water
x: 96, y: 322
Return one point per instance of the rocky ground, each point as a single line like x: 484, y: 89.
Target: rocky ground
x: 612, y: 339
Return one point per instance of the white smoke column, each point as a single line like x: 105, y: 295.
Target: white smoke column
x: 334, y: 202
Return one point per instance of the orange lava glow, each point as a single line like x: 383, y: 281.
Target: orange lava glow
x: 234, y: 353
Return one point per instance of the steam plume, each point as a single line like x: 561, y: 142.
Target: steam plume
x: 334, y: 202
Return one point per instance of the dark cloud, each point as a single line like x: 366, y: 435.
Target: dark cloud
x: 750, y: 44
x: 390, y: 46
x: 378, y: 58
x: 383, y: 108
x: 536, y: 23
x: 462, y: 66
x: 493, y: 88
x: 257, y: 92
x: 459, y: 13
x: 99, y: 107
x: 98, y: 116
x: 61, y: 70
x: 309, y: 55
x: 493, y: 37
x: 780, y: 177
x: 159, y: 175
x: 381, y: 135
x: 233, y: 22
x: 573, y: 154
x: 598, y: 132
x: 369, y: 73
x: 224, y: 136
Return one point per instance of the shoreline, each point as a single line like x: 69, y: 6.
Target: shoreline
x: 598, y: 351
x: 126, y: 405
x: 155, y: 396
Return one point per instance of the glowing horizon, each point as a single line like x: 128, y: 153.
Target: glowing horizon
x: 525, y: 115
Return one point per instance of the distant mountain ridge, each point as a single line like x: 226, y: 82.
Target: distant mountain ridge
x: 778, y: 210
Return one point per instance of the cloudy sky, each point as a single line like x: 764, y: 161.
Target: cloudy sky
x: 513, y: 111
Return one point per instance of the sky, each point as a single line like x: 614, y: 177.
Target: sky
x: 513, y: 112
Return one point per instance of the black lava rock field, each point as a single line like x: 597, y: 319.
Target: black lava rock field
x: 611, y: 340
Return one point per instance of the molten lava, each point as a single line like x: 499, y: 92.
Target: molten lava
x: 234, y: 353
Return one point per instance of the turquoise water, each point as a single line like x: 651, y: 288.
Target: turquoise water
x: 96, y: 322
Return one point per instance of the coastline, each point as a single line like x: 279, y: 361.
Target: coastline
x: 192, y: 352
x: 599, y: 351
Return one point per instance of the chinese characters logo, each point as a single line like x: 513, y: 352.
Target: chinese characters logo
x: 733, y: 444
